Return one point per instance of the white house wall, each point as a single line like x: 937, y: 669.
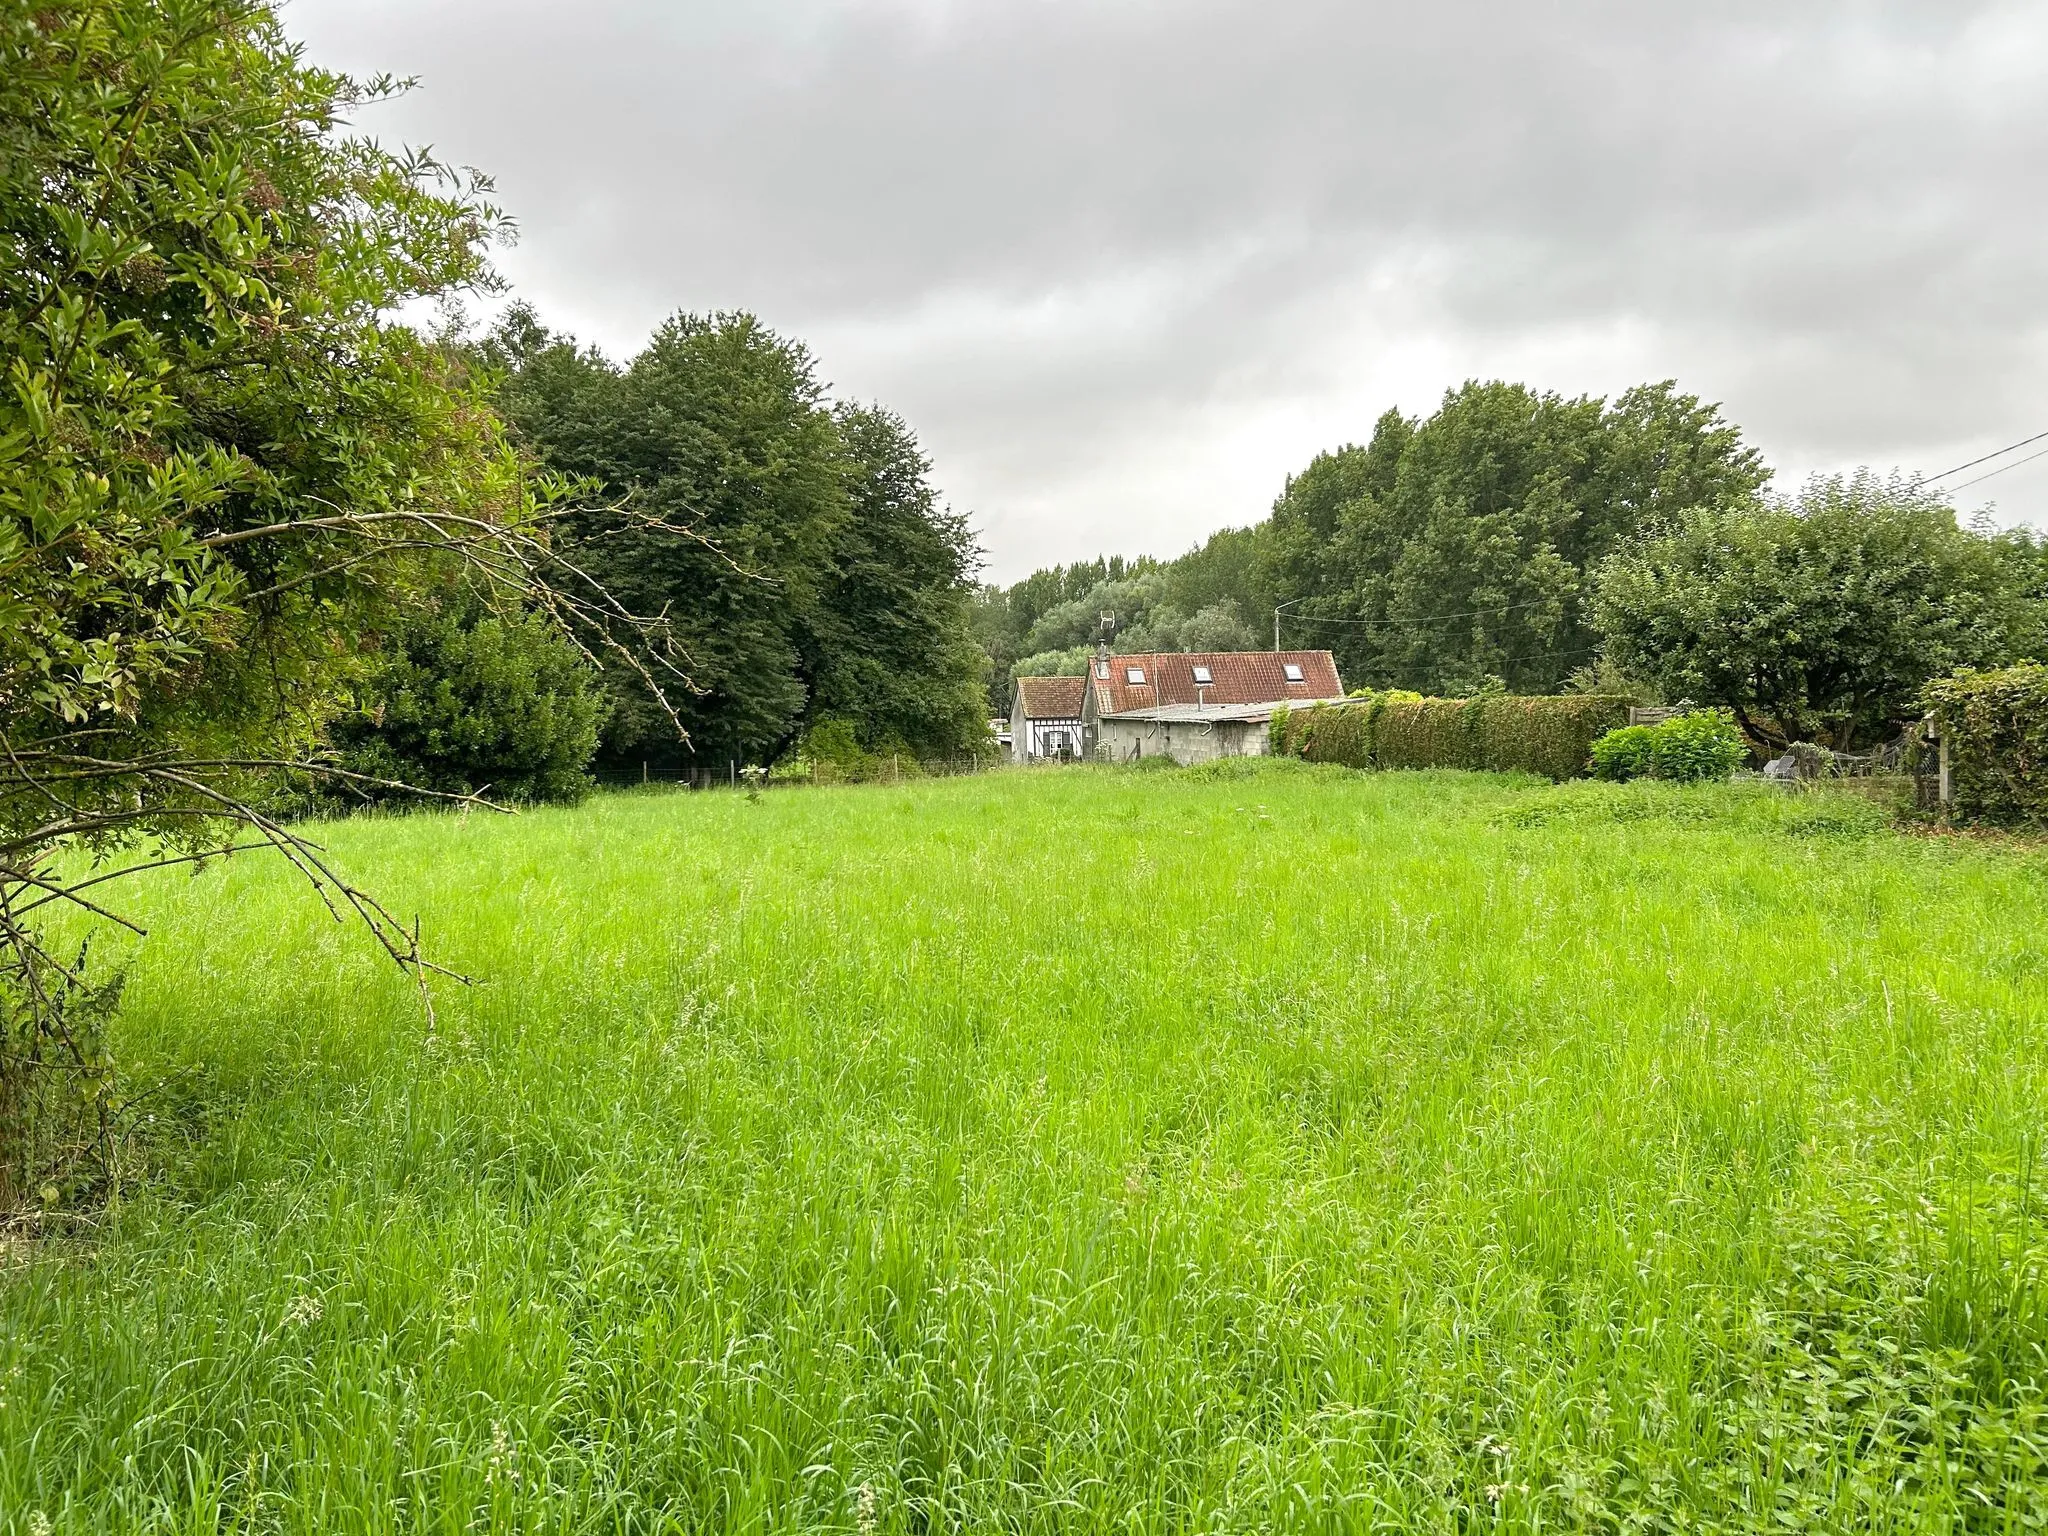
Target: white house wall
x: 1185, y: 741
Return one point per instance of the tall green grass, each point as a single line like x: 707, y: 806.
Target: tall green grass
x: 1075, y: 1151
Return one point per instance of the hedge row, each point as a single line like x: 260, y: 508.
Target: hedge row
x: 1550, y: 735
x: 1995, y: 725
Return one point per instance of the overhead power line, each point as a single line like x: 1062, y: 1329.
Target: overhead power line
x: 2015, y: 464
x: 2037, y: 437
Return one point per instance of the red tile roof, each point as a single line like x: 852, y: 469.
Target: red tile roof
x: 1237, y: 677
x: 1053, y: 698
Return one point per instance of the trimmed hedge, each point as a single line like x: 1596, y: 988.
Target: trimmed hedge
x: 1996, y: 727
x: 1548, y: 735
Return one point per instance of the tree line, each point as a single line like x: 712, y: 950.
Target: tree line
x: 808, y: 572
x: 1520, y: 541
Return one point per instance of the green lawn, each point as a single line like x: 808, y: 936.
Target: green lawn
x: 1075, y: 1151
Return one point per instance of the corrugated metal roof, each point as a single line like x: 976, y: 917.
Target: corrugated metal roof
x: 1053, y: 698
x: 1237, y: 677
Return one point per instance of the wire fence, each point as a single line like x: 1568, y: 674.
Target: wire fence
x: 734, y: 774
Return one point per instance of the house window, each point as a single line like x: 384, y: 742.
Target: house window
x: 1135, y: 676
x: 1102, y: 670
x: 1293, y: 671
x: 1202, y: 676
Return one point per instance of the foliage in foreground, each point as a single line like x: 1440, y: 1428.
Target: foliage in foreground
x: 1591, y: 1157
x: 1820, y: 619
x: 1549, y: 735
x: 1996, y: 727
x: 1700, y: 746
x: 219, y: 467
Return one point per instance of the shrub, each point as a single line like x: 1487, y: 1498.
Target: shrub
x: 1628, y: 753
x: 831, y: 753
x: 1697, y: 748
x: 1995, y: 724
x: 463, y: 699
x: 1498, y: 733
x: 1828, y: 614
x: 1691, y: 748
x: 1277, y: 731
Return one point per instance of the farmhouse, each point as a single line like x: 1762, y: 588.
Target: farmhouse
x: 1190, y: 707
x: 1045, y: 719
x: 1194, y: 707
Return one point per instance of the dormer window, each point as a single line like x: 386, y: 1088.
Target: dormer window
x: 1293, y: 671
x: 1135, y: 676
x: 1203, y: 677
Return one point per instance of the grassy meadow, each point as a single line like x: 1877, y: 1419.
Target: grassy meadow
x: 1078, y: 1150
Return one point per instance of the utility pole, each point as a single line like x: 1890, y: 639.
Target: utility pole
x: 1276, y: 620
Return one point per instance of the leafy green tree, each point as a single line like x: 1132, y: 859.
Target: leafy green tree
x: 1132, y: 599
x: 892, y: 649
x: 1007, y: 620
x: 1069, y: 661
x: 219, y: 464
x: 720, y: 427
x: 1229, y: 571
x: 1821, y: 618
x: 819, y: 573
x: 1453, y: 554
x: 467, y: 700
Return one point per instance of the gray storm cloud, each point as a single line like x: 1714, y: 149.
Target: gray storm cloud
x: 1125, y: 265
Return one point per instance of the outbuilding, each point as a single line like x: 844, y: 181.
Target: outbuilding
x: 1194, y: 707
x: 1045, y: 719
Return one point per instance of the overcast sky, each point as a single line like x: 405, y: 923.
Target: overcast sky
x: 1125, y: 264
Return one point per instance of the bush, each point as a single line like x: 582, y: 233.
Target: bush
x: 1693, y: 748
x: 1548, y: 735
x: 1628, y: 753
x: 1828, y: 614
x: 465, y: 700
x: 831, y: 753
x: 1995, y: 724
x: 1697, y: 748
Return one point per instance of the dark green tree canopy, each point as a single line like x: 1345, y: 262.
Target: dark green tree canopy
x: 1453, y: 551
x: 1821, y: 618
x: 820, y: 574
x: 891, y: 648
x: 469, y: 696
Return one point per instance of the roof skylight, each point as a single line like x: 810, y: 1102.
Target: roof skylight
x: 1135, y: 676
x: 1202, y: 676
x: 1293, y: 671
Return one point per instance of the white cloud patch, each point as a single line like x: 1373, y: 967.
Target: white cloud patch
x: 1125, y: 264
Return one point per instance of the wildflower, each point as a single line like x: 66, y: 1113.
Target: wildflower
x: 38, y: 1523
x: 303, y: 1310
x: 503, y: 1462
x: 864, y: 1502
